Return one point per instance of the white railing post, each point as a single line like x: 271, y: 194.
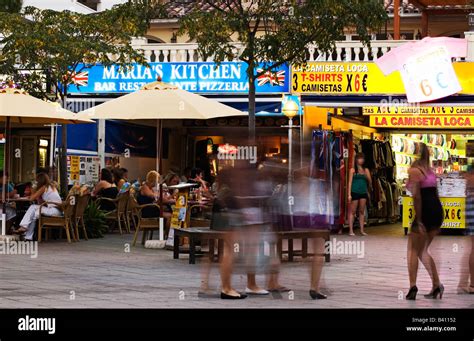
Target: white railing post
x: 345, y: 50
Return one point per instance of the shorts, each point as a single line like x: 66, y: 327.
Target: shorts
x: 358, y: 196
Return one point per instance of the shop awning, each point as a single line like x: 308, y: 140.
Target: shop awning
x: 265, y: 105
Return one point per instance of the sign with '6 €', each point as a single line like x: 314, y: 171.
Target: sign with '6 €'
x: 330, y: 78
x: 454, y: 212
x: 363, y: 78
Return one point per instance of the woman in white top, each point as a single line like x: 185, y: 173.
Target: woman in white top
x: 45, y: 193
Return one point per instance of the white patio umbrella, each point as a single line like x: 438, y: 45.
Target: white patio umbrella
x: 16, y: 106
x: 161, y: 101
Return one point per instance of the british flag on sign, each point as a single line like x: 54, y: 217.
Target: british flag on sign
x: 274, y: 78
x: 80, y: 78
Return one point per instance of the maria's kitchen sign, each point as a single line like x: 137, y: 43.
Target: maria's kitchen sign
x: 197, y: 77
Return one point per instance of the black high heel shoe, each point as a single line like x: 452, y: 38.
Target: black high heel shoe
x: 412, y: 293
x: 317, y: 295
x: 436, y: 292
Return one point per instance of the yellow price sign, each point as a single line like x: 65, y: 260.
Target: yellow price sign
x: 454, y: 212
x: 178, y: 215
x: 417, y: 110
x: 363, y: 78
x: 422, y: 121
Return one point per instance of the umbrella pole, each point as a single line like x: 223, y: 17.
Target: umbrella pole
x: 159, y: 150
x: 5, y: 170
x: 52, y: 146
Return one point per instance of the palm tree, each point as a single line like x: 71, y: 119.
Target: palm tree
x: 11, y: 6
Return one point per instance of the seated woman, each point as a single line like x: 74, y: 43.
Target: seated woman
x: 148, y: 195
x: 169, y: 196
x: 120, y: 177
x: 107, y: 189
x: 45, y: 192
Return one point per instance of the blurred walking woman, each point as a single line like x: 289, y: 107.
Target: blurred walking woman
x: 467, y: 279
x: 358, y: 192
x: 428, y: 220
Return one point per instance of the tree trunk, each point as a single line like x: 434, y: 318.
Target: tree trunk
x: 63, y: 178
x: 251, y: 98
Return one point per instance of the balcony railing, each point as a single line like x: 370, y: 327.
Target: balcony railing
x: 344, y: 51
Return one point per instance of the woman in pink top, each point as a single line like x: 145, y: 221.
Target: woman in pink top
x: 428, y: 220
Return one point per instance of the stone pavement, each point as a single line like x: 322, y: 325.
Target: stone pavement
x: 100, y: 274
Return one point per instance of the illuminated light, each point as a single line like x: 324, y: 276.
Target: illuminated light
x: 290, y: 108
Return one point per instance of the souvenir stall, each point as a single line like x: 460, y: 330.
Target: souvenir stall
x: 445, y: 131
x: 333, y: 148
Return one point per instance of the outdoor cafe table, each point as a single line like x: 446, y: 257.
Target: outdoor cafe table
x: 198, y: 234
x: 21, y: 206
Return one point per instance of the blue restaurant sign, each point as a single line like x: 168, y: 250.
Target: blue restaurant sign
x: 197, y: 77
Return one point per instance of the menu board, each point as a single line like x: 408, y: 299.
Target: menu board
x: 83, y: 169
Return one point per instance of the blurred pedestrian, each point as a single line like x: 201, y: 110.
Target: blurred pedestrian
x: 466, y: 283
x: 224, y: 218
x: 428, y: 219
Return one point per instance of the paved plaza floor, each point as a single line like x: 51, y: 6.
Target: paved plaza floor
x: 99, y: 273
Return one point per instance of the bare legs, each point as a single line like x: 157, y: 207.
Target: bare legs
x: 317, y: 264
x: 252, y: 244
x: 352, y: 214
x: 361, y: 204
x: 226, y: 266
x: 418, y: 244
x: 471, y: 265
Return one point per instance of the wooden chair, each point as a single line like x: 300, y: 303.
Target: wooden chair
x: 145, y: 224
x: 132, y: 211
x: 81, y: 204
x: 197, y: 221
x: 119, y: 214
x: 60, y: 222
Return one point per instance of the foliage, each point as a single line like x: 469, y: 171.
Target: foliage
x: 11, y: 6
x: 41, y: 47
x: 95, y: 222
x: 275, y: 32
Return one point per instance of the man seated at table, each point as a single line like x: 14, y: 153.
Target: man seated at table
x: 10, y: 188
x: 197, y: 177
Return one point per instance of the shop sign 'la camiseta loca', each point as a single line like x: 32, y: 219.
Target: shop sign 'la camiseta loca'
x: 198, y: 77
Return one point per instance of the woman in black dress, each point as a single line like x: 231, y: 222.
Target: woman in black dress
x: 106, y: 188
x: 427, y: 223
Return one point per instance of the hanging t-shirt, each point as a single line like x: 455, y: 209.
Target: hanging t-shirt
x: 425, y: 67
